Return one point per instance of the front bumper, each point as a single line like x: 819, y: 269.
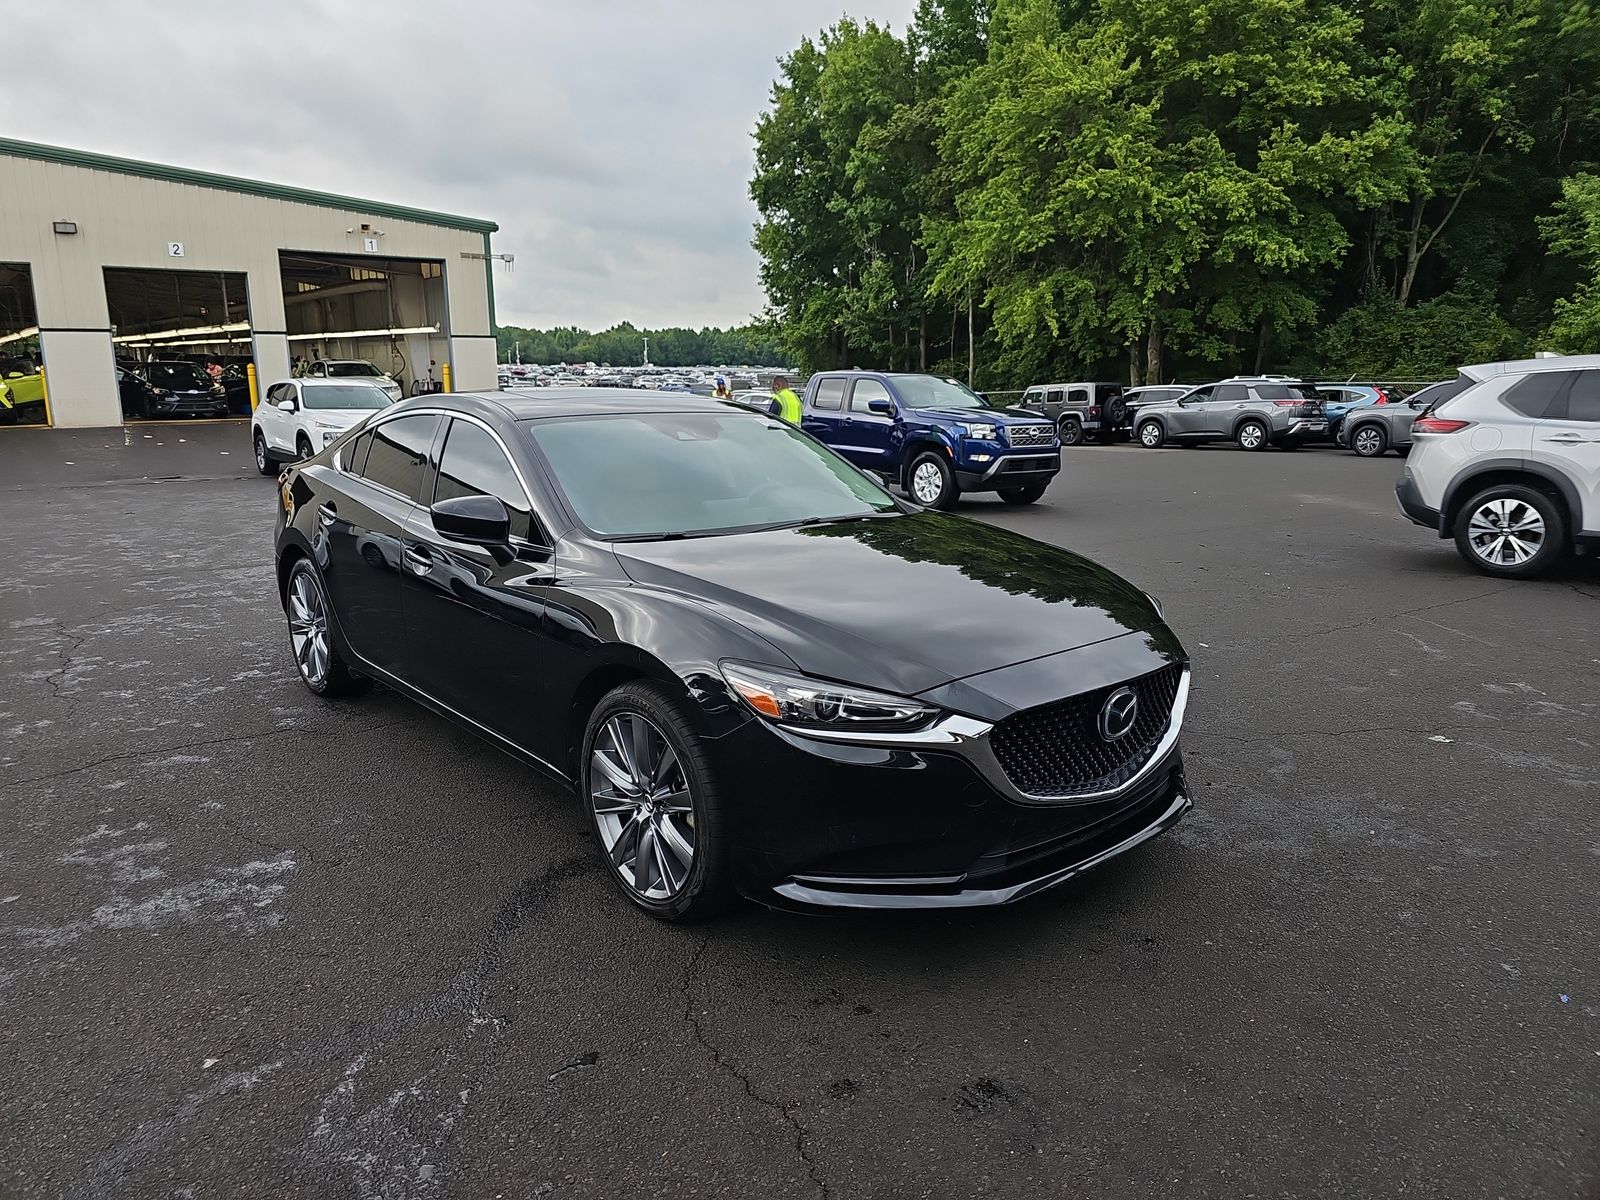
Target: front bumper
x: 1409, y: 497
x: 1013, y: 469
x: 929, y: 823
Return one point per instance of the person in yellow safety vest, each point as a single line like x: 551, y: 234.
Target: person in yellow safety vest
x: 722, y: 391
x: 785, y: 403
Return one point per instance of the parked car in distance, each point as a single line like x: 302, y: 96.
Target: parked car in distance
x: 1136, y: 398
x: 935, y: 438
x: 297, y: 417
x: 1371, y: 430
x: 1509, y: 464
x: 21, y: 390
x: 172, y: 389
x: 1254, y: 411
x: 1080, y: 411
x: 353, y: 368
x: 761, y: 672
x: 1339, y: 399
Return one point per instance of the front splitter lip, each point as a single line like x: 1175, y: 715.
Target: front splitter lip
x: 887, y: 895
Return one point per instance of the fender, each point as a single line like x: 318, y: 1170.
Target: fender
x: 1461, y: 488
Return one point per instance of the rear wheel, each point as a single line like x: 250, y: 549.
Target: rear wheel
x: 1251, y: 435
x: 1151, y: 435
x: 653, y: 802
x: 1023, y: 495
x: 933, y: 484
x: 1511, y: 532
x: 322, y: 668
x: 1369, y: 441
x: 1071, y: 432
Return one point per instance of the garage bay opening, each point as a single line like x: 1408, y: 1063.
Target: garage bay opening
x: 23, y: 399
x: 182, y: 342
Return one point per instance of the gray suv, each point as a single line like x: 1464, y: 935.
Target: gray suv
x: 1370, y: 431
x: 1079, y: 410
x: 1254, y: 411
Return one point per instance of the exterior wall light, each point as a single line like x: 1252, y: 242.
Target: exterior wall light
x: 66, y: 227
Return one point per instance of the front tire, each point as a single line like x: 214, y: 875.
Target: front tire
x: 1023, y: 495
x: 1151, y: 435
x: 1511, y: 532
x: 264, y: 462
x: 302, y: 447
x: 1369, y: 441
x: 933, y: 483
x: 654, y: 806
x: 322, y: 668
x: 1251, y: 435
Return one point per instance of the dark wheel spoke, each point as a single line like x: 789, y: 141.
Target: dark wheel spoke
x: 643, y: 805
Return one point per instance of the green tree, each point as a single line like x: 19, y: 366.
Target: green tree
x: 1572, y: 230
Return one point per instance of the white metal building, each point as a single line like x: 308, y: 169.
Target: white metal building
x: 107, y: 262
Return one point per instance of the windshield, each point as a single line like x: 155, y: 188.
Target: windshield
x: 653, y: 474
x: 351, y: 370
x: 929, y: 391
x: 345, y: 395
x: 178, y: 377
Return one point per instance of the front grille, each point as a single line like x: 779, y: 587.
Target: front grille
x: 1030, y: 435
x: 1056, y: 750
x: 1025, y: 464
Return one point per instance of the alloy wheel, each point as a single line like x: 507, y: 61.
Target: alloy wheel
x: 926, y: 483
x: 642, y: 806
x: 308, y: 627
x: 261, y: 454
x: 1506, y: 532
x: 1251, y: 436
x: 1368, y: 441
x: 1150, y: 434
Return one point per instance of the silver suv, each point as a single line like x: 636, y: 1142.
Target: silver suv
x: 1510, y: 465
x: 1256, y: 411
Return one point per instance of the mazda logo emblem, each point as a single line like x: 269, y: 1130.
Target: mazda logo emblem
x: 1118, y: 714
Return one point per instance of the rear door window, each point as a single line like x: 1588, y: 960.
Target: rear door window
x: 1541, y: 395
x: 830, y: 394
x: 1054, y: 395
x: 398, y: 457
x: 1583, y: 401
x: 1078, y: 396
x: 1230, y: 393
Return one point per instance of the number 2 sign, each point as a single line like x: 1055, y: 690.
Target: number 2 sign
x: 174, y: 249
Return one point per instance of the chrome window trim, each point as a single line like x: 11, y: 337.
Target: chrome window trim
x: 968, y: 738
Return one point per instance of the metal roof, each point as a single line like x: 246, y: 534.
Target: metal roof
x: 232, y: 183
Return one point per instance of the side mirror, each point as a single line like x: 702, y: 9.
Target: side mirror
x: 287, y: 405
x: 882, y: 407
x: 475, y: 520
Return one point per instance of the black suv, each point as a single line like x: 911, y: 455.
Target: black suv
x: 1080, y: 410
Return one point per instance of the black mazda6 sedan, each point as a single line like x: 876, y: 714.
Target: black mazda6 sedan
x: 761, y: 672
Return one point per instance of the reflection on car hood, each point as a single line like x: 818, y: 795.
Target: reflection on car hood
x: 904, y: 603
x: 979, y: 416
x: 341, y: 416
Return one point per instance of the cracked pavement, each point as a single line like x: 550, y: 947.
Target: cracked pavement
x: 254, y: 943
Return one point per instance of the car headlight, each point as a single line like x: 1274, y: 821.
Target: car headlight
x: 795, y: 700
x: 986, y: 433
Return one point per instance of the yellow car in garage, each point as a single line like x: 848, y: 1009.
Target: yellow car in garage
x: 21, y: 391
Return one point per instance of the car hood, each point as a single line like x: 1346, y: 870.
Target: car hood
x: 977, y: 416
x: 341, y: 416
x: 905, y: 603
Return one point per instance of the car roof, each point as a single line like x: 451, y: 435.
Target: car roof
x: 536, y: 404
x: 343, y: 381
x: 1526, y: 366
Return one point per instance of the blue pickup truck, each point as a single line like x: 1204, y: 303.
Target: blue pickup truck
x: 934, y: 437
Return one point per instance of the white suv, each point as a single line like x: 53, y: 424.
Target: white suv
x: 298, y: 417
x: 1508, y: 463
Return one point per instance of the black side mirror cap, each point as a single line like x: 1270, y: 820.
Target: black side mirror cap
x: 882, y: 407
x: 474, y: 520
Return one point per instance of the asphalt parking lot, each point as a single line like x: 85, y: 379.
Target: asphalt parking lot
x: 257, y: 944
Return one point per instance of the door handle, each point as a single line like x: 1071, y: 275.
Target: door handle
x: 327, y: 515
x: 419, y: 559
x: 1568, y: 439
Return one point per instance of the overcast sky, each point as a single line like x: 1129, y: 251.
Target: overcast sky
x: 610, y: 139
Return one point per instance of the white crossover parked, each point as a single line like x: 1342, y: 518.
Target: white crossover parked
x: 1507, y: 461
x: 298, y: 417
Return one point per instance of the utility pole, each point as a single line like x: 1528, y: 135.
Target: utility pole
x: 647, y: 352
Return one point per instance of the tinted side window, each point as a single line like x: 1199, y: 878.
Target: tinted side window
x: 398, y: 457
x: 1227, y: 392
x: 355, y: 455
x: 1540, y: 394
x: 1583, y: 401
x: 1078, y: 396
x: 865, y: 390
x: 474, y: 465
x: 830, y: 394
x: 1054, y: 395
